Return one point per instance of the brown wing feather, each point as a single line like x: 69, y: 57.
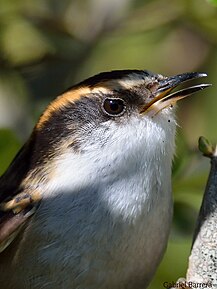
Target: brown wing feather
x: 14, y: 214
x: 17, y: 204
x: 10, y: 226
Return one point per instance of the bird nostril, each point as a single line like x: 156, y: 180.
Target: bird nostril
x: 153, y: 86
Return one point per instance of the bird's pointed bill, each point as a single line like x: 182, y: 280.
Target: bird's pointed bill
x: 164, y: 97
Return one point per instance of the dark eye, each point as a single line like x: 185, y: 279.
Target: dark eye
x: 114, y: 106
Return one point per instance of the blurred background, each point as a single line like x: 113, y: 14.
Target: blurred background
x: 49, y: 45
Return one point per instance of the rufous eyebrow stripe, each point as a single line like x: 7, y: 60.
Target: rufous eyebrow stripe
x: 70, y: 96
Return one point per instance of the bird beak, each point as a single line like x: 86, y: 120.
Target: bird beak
x: 163, y: 97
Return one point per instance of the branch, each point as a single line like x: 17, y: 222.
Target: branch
x: 202, y: 266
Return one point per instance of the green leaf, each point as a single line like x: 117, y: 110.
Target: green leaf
x: 205, y: 146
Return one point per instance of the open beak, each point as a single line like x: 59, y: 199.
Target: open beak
x: 164, y: 97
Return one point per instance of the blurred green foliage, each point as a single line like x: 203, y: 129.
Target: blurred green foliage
x: 46, y: 46
x: 9, y: 146
x: 213, y: 2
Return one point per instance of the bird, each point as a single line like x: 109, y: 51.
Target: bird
x: 87, y: 201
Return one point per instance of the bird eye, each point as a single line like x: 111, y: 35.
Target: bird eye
x: 114, y: 106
